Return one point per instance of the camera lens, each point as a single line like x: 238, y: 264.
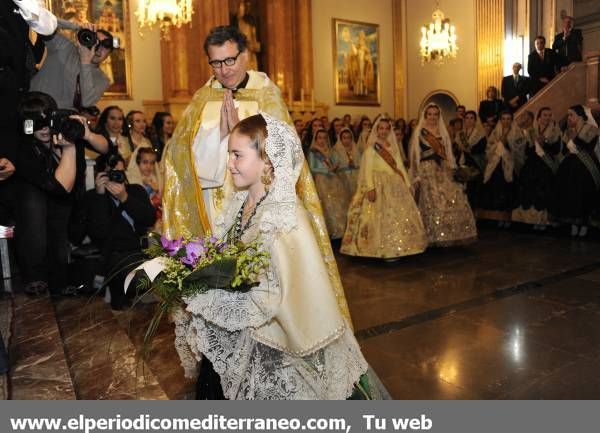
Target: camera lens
x: 71, y: 129
x: 87, y: 38
x: 117, y: 176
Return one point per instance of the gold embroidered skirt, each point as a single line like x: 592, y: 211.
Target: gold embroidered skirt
x: 389, y: 227
x: 444, y: 207
x: 334, y: 200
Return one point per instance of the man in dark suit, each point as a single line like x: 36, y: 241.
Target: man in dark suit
x: 568, y: 44
x: 514, y: 89
x: 541, y: 64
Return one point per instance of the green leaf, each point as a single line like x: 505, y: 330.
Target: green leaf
x: 217, y: 275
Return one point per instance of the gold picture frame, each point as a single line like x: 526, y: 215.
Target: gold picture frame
x: 113, y: 16
x: 356, y: 63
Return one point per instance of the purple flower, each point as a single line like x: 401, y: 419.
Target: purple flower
x: 193, y: 252
x: 213, y: 240
x: 222, y: 246
x: 171, y: 246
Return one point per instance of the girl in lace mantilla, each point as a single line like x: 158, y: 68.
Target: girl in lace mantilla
x: 286, y: 337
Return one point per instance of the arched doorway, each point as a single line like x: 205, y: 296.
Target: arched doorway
x: 444, y: 99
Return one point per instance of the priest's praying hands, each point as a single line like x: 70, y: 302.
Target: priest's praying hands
x: 229, y: 114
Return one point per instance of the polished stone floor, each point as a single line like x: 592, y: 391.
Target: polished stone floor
x: 514, y: 316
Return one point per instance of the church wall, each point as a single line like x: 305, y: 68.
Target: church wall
x: 146, y: 77
x: 458, y: 78
x: 587, y: 18
x: 374, y: 12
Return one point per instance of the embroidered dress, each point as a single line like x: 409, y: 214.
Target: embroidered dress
x: 443, y: 204
x: 536, y: 190
x: 333, y: 194
x: 390, y: 226
x: 285, y: 338
x: 472, y: 155
x: 497, y: 193
x: 349, y: 163
x: 578, y: 177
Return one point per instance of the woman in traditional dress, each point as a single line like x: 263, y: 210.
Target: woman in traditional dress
x: 536, y: 189
x: 362, y: 133
x: 446, y: 213
x: 497, y: 193
x: 307, y: 139
x: 383, y: 219
x: 578, y: 177
x: 334, y: 197
x: 136, y: 130
x: 471, y: 143
x: 348, y: 156
x: 284, y: 339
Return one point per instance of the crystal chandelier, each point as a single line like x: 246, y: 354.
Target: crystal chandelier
x: 438, y: 40
x: 166, y: 13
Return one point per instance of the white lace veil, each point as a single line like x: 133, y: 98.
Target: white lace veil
x: 314, y: 139
x: 590, y: 117
x: 415, y: 148
x: 284, y: 149
x: 391, y: 138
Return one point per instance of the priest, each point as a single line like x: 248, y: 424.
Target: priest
x: 197, y: 186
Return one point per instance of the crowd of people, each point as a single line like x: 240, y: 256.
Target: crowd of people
x: 403, y: 186
x: 387, y: 188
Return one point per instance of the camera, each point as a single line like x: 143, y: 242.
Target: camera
x: 71, y: 129
x: 114, y: 175
x: 87, y: 38
x: 117, y: 176
x: 58, y: 121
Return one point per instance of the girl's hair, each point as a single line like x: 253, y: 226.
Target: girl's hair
x: 346, y: 131
x: 255, y: 128
x: 472, y: 113
x: 144, y: 151
x: 158, y: 122
x: 128, y: 127
x: 322, y: 131
x: 541, y: 110
x: 36, y: 103
x: 580, y: 111
x: 101, y: 126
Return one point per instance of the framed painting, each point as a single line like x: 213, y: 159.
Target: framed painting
x: 112, y: 16
x: 356, y: 66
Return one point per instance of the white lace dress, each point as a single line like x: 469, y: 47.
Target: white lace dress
x: 225, y: 327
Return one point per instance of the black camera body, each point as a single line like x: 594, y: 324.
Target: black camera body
x: 87, y: 38
x: 58, y: 121
x: 71, y: 129
x: 117, y: 176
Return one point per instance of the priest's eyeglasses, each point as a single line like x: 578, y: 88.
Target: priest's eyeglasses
x: 229, y: 61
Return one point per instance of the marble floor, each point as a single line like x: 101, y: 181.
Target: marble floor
x: 514, y: 316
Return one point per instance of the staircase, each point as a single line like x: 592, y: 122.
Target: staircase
x: 579, y: 84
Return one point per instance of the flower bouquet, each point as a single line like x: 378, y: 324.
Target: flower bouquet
x: 182, y: 268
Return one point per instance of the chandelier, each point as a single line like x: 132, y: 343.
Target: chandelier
x: 438, y: 40
x: 166, y: 13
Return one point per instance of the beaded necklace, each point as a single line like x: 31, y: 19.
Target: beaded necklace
x: 239, y: 229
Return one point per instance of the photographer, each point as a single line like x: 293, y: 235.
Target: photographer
x: 71, y: 73
x: 118, y: 214
x: 48, y: 167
